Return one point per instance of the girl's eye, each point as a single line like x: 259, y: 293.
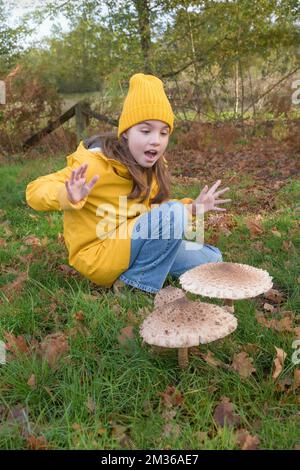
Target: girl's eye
x: 147, y: 132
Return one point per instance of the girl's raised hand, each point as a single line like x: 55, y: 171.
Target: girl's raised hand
x: 210, y: 197
x: 76, y: 187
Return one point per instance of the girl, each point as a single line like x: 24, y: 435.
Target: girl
x: 120, y: 225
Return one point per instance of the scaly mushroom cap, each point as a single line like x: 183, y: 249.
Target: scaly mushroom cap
x: 226, y: 280
x: 185, y: 323
x: 167, y: 295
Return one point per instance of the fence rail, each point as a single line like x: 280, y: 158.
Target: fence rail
x: 82, y: 113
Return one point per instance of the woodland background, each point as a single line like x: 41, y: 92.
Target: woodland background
x: 77, y: 374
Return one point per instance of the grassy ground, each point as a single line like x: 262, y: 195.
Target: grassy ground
x: 103, y: 392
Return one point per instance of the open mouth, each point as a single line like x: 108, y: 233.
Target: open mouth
x: 151, y: 155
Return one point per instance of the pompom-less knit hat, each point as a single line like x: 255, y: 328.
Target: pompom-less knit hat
x: 146, y: 99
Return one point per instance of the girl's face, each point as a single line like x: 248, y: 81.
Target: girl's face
x: 145, y: 137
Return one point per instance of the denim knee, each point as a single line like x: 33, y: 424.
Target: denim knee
x: 178, y: 222
x: 217, y: 257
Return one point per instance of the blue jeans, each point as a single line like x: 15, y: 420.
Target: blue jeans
x: 157, y: 248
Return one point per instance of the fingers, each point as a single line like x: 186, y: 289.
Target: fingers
x: 221, y: 191
x: 222, y: 201
x: 93, y: 181
x: 68, y: 191
x: 213, y: 188
x: 203, y: 191
x: 78, y: 173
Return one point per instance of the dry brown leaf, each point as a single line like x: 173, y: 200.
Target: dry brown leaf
x: 119, y: 432
x: 245, y: 441
x: 171, y: 397
x: 171, y: 430
x: 296, y: 383
x: 53, y: 347
x: 297, y: 332
x: 242, y: 363
x: 276, y: 233
x: 127, y: 333
x: 224, y: 413
x: 15, y: 344
x: 268, y: 307
x: 274, y: 295
x: 32, y: 382
x: 32, y: 240
x: 90, y: 404
x: 79, y: 316
x: 37, y: 443
x: 15, y: 287
x: 283, y: 324
x: 3, y: 243
x: 279, y: 362
x: 254, y: 227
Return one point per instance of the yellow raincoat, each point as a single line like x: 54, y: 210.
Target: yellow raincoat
x: 97, y: 230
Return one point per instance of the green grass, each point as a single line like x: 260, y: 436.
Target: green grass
x: 124, y: 383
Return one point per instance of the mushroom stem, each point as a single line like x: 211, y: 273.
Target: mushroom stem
x: 229, y: 305
x: 183, y: 357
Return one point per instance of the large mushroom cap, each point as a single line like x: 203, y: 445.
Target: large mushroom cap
x: 183, y: 323
x: 167, y: 295
x: 226, y: 280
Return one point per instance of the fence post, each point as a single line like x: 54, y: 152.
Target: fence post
x: 82, y: 120
x: 2, y: 92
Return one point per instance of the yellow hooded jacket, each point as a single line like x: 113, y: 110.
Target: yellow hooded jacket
x: 97, y: 230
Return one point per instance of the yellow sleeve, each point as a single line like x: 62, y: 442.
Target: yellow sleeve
x: 48, y: 193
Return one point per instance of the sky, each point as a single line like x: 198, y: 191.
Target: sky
x: 21, y: 7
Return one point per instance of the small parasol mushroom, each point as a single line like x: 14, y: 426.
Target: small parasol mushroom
x: 227, y: 281
x: 183, y: 323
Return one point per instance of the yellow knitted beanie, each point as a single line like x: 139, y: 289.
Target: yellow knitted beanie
x: 146, y: 99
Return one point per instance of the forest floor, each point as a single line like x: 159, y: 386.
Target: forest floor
x: 77, y: 374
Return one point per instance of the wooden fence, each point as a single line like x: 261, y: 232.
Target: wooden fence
x: 82, y: 113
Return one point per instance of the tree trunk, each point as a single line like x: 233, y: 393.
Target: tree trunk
x: 143, y: 11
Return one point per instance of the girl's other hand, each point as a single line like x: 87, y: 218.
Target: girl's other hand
x: 210, y: 197
x: 76, y: 187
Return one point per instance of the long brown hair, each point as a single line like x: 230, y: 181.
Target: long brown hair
x: 117, y: 148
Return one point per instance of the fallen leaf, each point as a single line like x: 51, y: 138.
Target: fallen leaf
x: 242, y: 363
x: 245, y: 441
x: 296, y: 383
x: 53, y: 347
x: 3, y: 243
x: 224, y: 413
x: 254, y: 227
x: 90, y: 404
x: 37, y: 443
x: 171, y: 397
x: 171, y: 430
x: 119, y: 433
x: 276, y: 233
x: 283, y: 324
x: 127, y: 333
x: 32, y: 240
x: 31, y: 382
x: 79, y: 316
x: 278, y: 361
x: 16, y: 344
x: 268, y: 307
x: 274, y: 295
x: 15, y: 287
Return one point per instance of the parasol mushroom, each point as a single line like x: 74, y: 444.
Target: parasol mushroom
x: 229, y: 281
x: 183, y: 323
